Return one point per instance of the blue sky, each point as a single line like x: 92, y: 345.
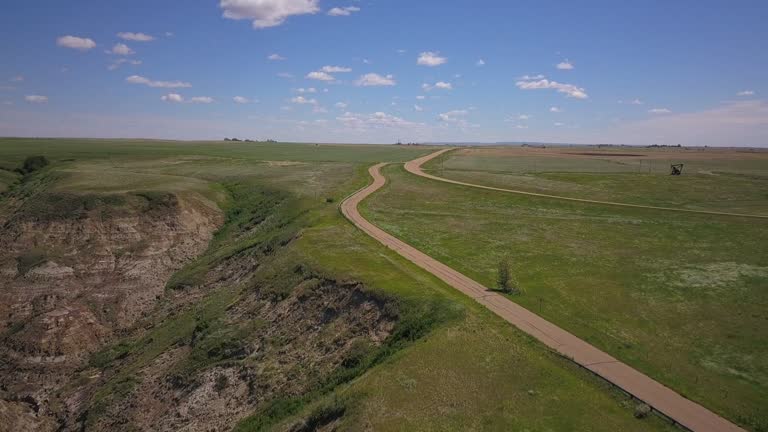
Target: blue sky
x: 689, y: 72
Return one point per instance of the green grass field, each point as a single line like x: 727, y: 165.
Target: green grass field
x: 712, y: 180
x: 681, y: 297
x: 470, y: 370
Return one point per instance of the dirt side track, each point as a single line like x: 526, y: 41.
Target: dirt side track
x: 414, y: 167
x: 683, y: 411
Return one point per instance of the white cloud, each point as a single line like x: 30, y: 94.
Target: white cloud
x: 340, y: 105
x: 421, y: 97
x: 377, y: 120
x: 267, y: 13
x: 524, y: 117
x: 169, y: 34
x: 558, y: 124
x: 531, y: 77
x: 565, y: 65
x: 172, y: 97
x: 119, y: 62
x: 430, y: 58
x: 480, y: 62
x: 285, y: 75
x: 659, y: 111
x: 36, y: 99
x: 418, y: 108
x: 201, y: 100
x: 136, y: 79
x: 440, y: 85
x: 569, y: 89
x: 343, y: 11
x: 636, y: 102
x: 122, y: 49
x: 137, y: 37
x: 453, y: 116
x: 401, y: 51
x: 306, y: 90
x: 301, y: 100
x: 275, y: 57
x: 746, y: 93
x: 555, y: 109
x: 373, y: 79
x: 332, y: 69
x: 241, y: 100
x: 320, y: 75
x: 74, y: 42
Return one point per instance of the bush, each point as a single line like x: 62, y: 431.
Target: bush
x: 32, y: 164
x: 642, y: 411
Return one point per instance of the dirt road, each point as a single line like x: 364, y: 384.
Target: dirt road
x: 681, y: 410
x: 414, y: 167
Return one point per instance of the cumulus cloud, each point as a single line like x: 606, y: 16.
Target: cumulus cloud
x: 555, y: 109
x: 343, y: 11
x: 36, y: 99
x: 332, y: 69
x: 377, y: 120
x: 74, y: 42
x: 119, y: 62
x: 440, y: 85
x: 480, y: 62
x: 524, y: 117
x: 201, y: 100
x: 275, y: 57
x: 340, y: 105
x: 241, y: 100
x: 122, y: 49
x: 746, y: 93
x: 320, y: 76
x: 136, y: 79
x: 565, y: 65
x: 659, y: 111
x: 417, y: 108
x: 172, y: 97
x: 430, y: 58
x: 569, y: 90
x: 373, y: 79
x: 267, y: 13
x: 531, y: 77
x: 306, y: 90
x: 453, y: 116
x: 301, y: 100
x: 136, y: 37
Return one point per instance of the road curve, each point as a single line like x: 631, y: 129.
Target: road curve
x: 414, y: 167
x: 683, y: 411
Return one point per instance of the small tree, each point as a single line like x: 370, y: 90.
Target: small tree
x: 504, y: 281
x: 32, y: 164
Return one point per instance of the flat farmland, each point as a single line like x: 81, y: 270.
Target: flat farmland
x: 728, y: 180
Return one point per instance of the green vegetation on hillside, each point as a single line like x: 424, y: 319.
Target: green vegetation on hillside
x: 447, y: 364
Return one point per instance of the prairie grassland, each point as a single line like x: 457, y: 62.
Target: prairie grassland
x: 713, y: 179
x: 681, y: 297
x: 461, y: 367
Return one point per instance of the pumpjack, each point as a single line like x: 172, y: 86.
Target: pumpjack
x: 677, y: 169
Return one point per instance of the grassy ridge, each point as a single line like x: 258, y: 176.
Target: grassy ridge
x: 680, y: 297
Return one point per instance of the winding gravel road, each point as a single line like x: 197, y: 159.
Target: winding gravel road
x: 683, y: 411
